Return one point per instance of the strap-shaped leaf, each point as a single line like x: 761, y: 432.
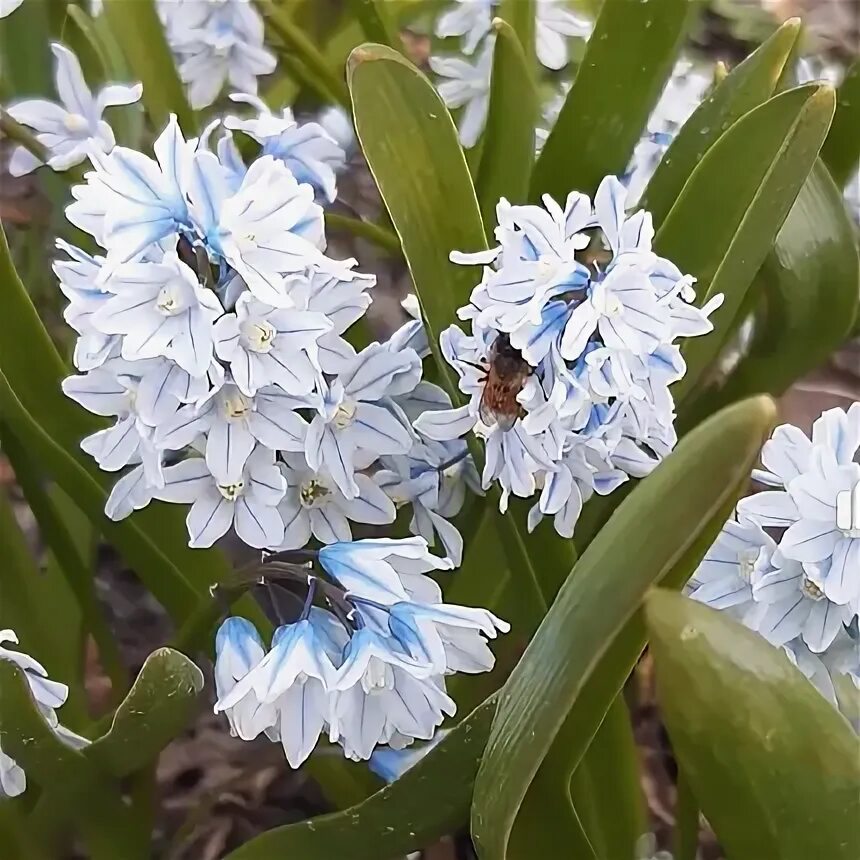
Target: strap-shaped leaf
x: 509, y: 139
x: 139, y: 32
x: 157, y: 708
x: 411, y: 146
x: 429, y: 800
x: 376, y: 21
x: 773, y: 764
x: 841, y: 151
x: 628, y: 60
x: 724, y: 223
x: 93, y: 800
x: 648, y: 535
x: 810, y: 286
x: 745, y: 87
x: 522, y: 16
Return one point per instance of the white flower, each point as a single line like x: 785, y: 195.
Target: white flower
x: 248, y: 502
x: 69, y: 131
x: 467, y: 86
x: 216, y: 41
x: 314, y: 505
x: 308, y: 150
x: 271, y: 346
x: 352, y: 417
x: 161, y: 309
x: 471, y: 19
x: 48, y: 695
x: 554, y: 24
x: 7, y: 7
x: 238, y: 649
x: 291, y: 683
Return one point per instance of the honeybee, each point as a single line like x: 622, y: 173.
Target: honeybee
x: 507, y: 372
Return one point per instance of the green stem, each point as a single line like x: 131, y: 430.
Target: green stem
x: 22, y: 135
x: 686, y: 821
x: 385, y: 239
x: 295, y: 38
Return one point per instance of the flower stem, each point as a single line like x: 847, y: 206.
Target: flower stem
x: 382, y: 238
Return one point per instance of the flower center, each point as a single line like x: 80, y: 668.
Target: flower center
x: 231, y: 492
x: 259, y: 335
x: 235, y: 406
x: 313, y: 493
x: 168, y: 302
x: 247, y: 243
x: 344, y: 416
x: 614, y: 306
x: 75, y: 123
x: 811, y: 590
x: 746, y: 560
x: 376, y: 676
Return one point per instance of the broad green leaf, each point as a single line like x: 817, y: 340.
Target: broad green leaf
x: 841, y: 150
x: 411, y: 146
x: 509, y: 138
x: 691, y: 486
x: 724, y: 223
x: 138, y: 30
x: 745, y: 87
x: 810, y: 287
x: 429, y: 801
x: 94, y: 802
x: 629, y: 57
x: 775, y: 767
x: 158, y: 707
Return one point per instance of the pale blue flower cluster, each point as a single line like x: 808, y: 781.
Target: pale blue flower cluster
x: 367, y: 667
x: 211, y: 330
x: 71, y: 129
x: 466, y: 82
x: 788, y: 563
x: 578, y: 297
x: 216, y: 42
x: 48, y: 696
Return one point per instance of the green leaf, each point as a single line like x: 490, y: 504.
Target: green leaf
x: 429, y: 801
x: 522, y: 17
x: 410, y: 142
x: 509, y: 138
x: 773, y: 764
x: 629, y: 57
x: 95, y: 803
x: 603, y: 592
x: 841, y: 150
x: 724, y: 223
x: 25, y: 58
x: 810, y: 286
x: 158, y: 707
x: 746, y: 87
x: 139, y: 33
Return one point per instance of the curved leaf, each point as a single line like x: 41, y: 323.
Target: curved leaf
x: 158, y: 707
x: 773, y: 764
x: 628, y: 59
x: 94, y: 801
x: 599, y: 597
x: 811, y: 286
x: 509, y: 139
x: 138, y: 30
x: 411, y: 146
x: 745, y: 87
x: 841, y: 150
x: 430, y: 800
x: 723, y: 225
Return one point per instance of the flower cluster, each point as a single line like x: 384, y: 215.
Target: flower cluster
x: 788, y: 563
x: 48, y: 696
x: 69, y: 130
x: 216, y: 42
x: 369, y: 668
x: 211, y: 330
x: 467, y: 83
x: 571, y: 352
